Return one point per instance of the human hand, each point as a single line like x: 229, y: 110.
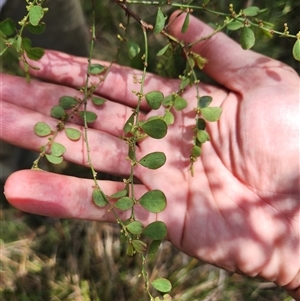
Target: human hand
x: 241, y: 209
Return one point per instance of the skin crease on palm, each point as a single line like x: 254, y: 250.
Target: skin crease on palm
x: 240, y: 211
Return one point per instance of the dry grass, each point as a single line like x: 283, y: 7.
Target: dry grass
x: 60, y: 260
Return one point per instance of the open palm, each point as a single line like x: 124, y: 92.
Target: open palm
x: 240, y: 211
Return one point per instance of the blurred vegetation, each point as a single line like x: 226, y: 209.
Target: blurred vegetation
x: 52, y: 259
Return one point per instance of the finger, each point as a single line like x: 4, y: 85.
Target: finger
x: 106, y: 150
x: 54, y: 195
x: 228, y: 63
x: 118, y: 85
x: 42, y: 97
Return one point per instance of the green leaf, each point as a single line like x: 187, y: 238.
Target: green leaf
x: 38, y: 29
x: 135, y: 228
x: 196, y: 151
x: 54, y: 159
x: 35, y: 53
x: 119, y: 194
x: 159, y: 22
x: 156, y: 230
x: 3, y: 46
x: 296, y: 50
x: 180, y: 103
x: 185, y: 23
x: 153, y: 160
x: 139, y: 246
x: 153, y: 248
x: 133, y: 49
x: 168, y: 101
x: 124, y: 203
x: 162, y: 285
x: 184, y: 82
x: 8, y: 27
x: 99, y: 198
x: 247, y: 38
x: 129, y: 250
x: 129, y: 123
x: 251, y: 11
x: 204, y: 101
x: 96, y: 69
x: 211, y: 113
x: 200, y: 60
x: 58, y: 112
x: 57, y: 149
x: 202, y: 136
x: 153, y: 201
x: 155, y: 128
x: 163, y: 50
x: 98, y: 101
x: 235, y: 25
x: 201, y: 124
x: 168, y: 118
x: 90, y: 116
x: 36, y: 13
x: 73, y: 134
x: 154, y: 99
x: 68, y: 102
x: 42, y: 129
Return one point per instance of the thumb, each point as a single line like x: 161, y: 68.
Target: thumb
x: 228, y: 63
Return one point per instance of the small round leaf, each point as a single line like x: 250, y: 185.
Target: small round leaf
x: 135, y: 228
x: 58, y: 112
x: 202, y: 136
x: 57, y: 149
x: 73, y: 134
x: 98, y: 101
x: 169, y: 118
x: 124, y: 203
x: 8, y: 27
x: 153, y: 160
x: 90, y: 116
x: 153, y: 201
x: 235, y: 25
x: 196, y: 151
x: 95, y: 69
x: 38, y: 29
x: 133, y: 49
x: 162, y: 285
x: 156, y: 230
x: 153, y: 248
x: 42, y: 129
x: 129, y: 123
x: 99, y: 198
x: 53, y: 159
x: 296, y: 50
x: 204, y: 101
x: 155, y: 128
x: 119, y: 194
x: 35, y: 53
x: 211, y: 113
x: 247, y: 38
x: 180, y: 103
x: 251, y: 11
x: 154, y: 99
x: 36, y: 13
x: 68, y: 102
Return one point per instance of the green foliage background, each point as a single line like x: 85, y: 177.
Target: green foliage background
x: 53, y: 259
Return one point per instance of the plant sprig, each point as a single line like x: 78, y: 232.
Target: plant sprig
x: 139, y: 239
